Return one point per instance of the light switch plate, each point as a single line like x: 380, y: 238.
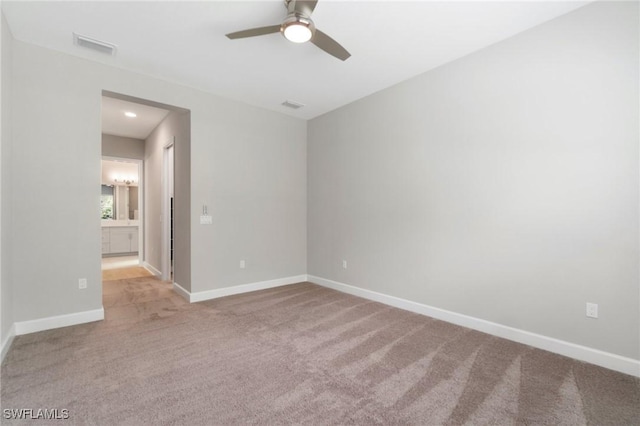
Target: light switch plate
x: 206, y: 220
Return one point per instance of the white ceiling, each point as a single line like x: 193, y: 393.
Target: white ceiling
x: 114, y: 122
x: 184, y: 42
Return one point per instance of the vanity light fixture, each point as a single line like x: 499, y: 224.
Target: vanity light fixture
x: 131, y: 114
x: 125, y: 181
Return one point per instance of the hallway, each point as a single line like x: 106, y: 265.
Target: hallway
x: 129, y: 301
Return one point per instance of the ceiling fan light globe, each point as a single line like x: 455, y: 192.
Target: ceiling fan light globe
x: 297, y: 33
x: 297, y: 29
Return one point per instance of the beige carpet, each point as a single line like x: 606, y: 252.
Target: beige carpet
x: 125, y: 273
x: 298, y: 354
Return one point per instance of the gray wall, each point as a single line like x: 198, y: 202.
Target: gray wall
x: 253, y: 180
x: 503, y: 186
x: 119, y: 146
x: 175, y: 127
x: 6, y: 291
x: 249, y: 163
x: 182, y: 198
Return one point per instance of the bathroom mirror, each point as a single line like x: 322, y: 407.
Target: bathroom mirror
x: 119, y: 193
x: 119, y: 202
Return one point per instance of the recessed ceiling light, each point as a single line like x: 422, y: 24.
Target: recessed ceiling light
x: 131, y: 114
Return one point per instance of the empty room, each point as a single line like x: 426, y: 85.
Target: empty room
x: 320, y: 212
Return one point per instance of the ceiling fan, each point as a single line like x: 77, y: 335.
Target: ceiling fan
x: 298, y: 28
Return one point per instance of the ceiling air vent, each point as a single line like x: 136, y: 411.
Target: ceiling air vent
x: 92, y: 43
x: 292, y: 104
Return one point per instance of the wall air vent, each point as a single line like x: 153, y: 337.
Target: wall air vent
x: 92, y: 43
x: 292, y: 104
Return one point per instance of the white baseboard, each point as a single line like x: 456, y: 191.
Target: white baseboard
x: 41, y: 324
x: 237, y: 289
x: 6, y: 343
x: 151, y: 269
x: 182, y: 291
x: 572, y: 350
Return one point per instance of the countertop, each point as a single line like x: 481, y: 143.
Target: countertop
x: 107, y: 223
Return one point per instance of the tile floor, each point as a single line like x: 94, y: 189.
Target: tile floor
x: 119, y: 262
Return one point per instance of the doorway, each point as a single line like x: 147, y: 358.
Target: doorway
x: 163, y: 147
x: 126, y: 127
x: 121, y: 211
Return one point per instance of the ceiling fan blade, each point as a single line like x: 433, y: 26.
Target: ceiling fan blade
x: 329, y: 45
x: 253, y: 32
x: 304, y: 7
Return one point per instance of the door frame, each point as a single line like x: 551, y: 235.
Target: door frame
x: 141, y: 222
x: 168, y: 189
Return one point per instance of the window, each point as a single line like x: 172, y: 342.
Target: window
x: 106, y: 202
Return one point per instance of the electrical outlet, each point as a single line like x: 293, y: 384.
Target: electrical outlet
x: 592, y: 310
x: 82, y: 283
x: 243, y: 264
x: 344, y: 264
